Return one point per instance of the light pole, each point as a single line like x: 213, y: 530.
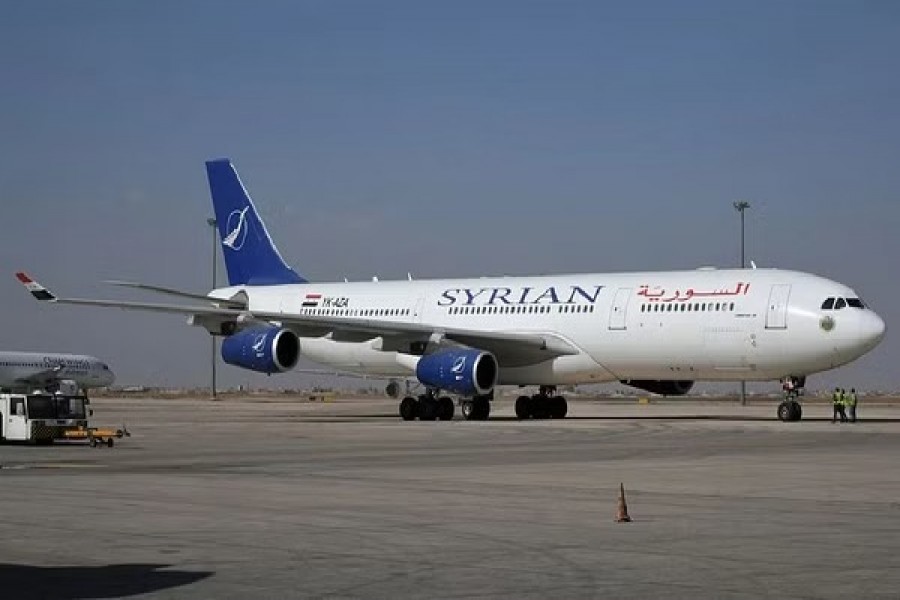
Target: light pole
x: 741, y: 206
x: 215, y: 246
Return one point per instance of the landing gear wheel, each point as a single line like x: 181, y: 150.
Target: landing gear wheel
x: 445, y: 409
x: 468, y: 410
x: 790, y: 411
x: 428, y: 409
x: 483, y: 408
x: 476, y: 409
x: 540, y: 407
x: 558, y: 407
x: 523, y: 407
x: 796, y: 411
x: 408, y: 408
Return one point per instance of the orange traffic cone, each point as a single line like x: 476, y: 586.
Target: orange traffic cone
x: 622, y: 512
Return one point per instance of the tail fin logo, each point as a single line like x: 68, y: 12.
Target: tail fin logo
x: 237, y: 229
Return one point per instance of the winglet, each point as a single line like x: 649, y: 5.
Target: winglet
x: 36, y: 289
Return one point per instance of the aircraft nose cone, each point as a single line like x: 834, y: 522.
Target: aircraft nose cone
x: 872, y: 329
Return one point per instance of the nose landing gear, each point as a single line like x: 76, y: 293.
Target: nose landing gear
x: 790, y: 410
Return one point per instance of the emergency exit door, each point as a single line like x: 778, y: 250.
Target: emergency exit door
x: 619, y: 308
x: 776, y: 312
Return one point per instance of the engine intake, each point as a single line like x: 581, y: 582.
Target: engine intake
x: 661, y: 387
x: 464, y: 372
x: 262, y: 349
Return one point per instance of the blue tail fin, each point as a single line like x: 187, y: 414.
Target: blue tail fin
x: 251, y: 257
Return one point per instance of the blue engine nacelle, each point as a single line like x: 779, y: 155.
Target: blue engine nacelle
x: 262, y: 349
x: 464, y: 372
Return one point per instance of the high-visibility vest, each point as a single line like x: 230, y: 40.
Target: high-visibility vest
x: 851, y: 399
x: 836, y: 398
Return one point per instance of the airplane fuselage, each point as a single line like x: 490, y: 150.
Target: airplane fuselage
x: 706, y: 324
x: 27, y: 370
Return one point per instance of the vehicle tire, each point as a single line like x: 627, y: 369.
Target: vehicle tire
x: 482, y: 408
x: 428, y: 409
x: 784, y: 412
x: 558, y: 407
x: 445, y: 408
x: 540, y: 407
x: 93, y: 443
x: 468, y: 410
x: 109, y: 443
x: 523, y: 407
x: 408, y: 408
x: 796, y: 411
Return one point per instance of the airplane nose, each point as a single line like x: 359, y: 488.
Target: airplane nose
x: 872, y: 329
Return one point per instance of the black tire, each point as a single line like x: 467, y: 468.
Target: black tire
x: 558, y: 407
x: 93, y: 442
x: 784, y: 412
x: 540, y: 407
x: 468, y: 410
x: 445, y: 409
x: 110, y: 443
x: 428, y: 409
x: 523, y: 407
x: 482, y: 408
x: 796, y: 411
x: 408, y: 408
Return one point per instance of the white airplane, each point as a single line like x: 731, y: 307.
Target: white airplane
x: 24, y: 371
x: 657, y: 331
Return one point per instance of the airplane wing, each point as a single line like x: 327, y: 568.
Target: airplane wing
x: 178, y: 293
x: 510, y: 347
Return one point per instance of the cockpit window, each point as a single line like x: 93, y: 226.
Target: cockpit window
x: 828, y: 304
x: 855, y: 303
x: 841, y: 303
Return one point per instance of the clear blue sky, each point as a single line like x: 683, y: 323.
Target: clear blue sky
x: 445, y: 139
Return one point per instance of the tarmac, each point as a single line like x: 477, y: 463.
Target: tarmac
x: 276, y: 498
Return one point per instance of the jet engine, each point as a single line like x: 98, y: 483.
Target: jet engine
x: 462, y: 371
x: 661, y: 387
x: 262, y: 349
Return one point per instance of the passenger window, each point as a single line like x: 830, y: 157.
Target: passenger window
x: 828, y: 304
x: 839, y: 304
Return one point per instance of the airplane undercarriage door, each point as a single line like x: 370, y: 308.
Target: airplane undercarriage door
x: 619, y: 308
x: 776, y: 311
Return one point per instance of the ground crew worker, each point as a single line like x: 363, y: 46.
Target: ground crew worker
x: 836, y: 405
x: 851, y: 403
x: 842, y: 408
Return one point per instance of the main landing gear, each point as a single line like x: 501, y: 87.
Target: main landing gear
x: 430, y: 407
x: 790, y: 410
x: 543, y: 405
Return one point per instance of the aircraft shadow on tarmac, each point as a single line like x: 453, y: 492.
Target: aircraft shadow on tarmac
x: 109, y: 581
x: 723, y: 418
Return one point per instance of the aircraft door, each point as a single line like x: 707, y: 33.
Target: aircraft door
x: 16, y: 422
x: 776, y: 311
x: 619, y: 308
